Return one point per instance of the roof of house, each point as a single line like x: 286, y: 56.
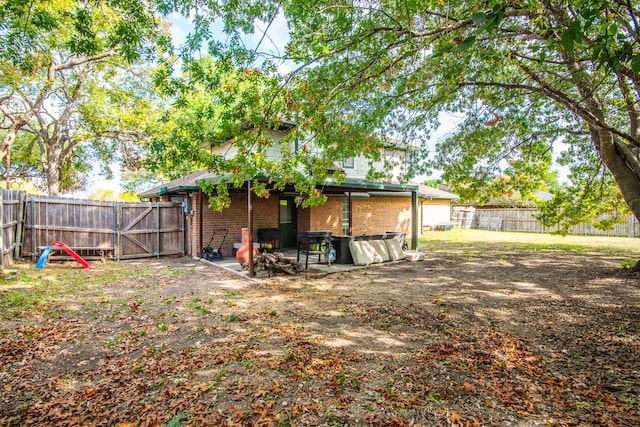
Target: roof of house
x: 189, y: 183
x: 182, y: 184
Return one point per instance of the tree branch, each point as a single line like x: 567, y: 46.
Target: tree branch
x: 633, y: 107
x: 572, y: 105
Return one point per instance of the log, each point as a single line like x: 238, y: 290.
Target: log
x: 272, y: 264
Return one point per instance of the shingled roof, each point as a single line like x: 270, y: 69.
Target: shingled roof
x: 184, y: 184
x: 189, y: 183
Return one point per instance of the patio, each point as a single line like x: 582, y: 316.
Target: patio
x: 231, y: 265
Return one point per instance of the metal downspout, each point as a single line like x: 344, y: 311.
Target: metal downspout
x: 250, y: 225
x: 414, y: 220
x: 421, y: 216
x: 182, y: 215
x: 350, y: 215
x: 201, y: 214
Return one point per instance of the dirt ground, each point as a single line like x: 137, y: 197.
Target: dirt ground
x: 478, y: 337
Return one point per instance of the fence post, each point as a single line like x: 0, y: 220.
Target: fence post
x: 116, y: 244
x: 33, y: 230
x: 504, y: 219
x: 2, y: 229
x: 158, y: 230
x: 19, y: 234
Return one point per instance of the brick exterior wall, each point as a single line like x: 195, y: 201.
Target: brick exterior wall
x: 374, y: 215
x: 377, y: 215
x: 304, y: 219
x: 234, y: 218
x: 327, y: 217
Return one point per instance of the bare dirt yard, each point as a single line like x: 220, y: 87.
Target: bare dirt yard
x: 477, y: 334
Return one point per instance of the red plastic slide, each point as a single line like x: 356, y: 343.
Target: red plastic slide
x: 68, y: 250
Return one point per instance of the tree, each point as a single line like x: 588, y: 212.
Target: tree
x: 94, y: 116
x: 528, y: 77
x: 49, y: 52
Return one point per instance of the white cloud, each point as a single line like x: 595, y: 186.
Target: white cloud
x: 179, y: 28
x: 284, y: 69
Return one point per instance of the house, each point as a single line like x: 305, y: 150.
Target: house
x: 355, y: 206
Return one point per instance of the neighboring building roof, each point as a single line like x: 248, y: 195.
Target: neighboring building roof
x: 434, y: 193
x: 515, y: 201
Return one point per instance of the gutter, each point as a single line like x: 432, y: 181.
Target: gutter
x: 371, y: 185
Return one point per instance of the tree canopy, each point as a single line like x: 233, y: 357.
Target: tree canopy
x: 529, y: 78
x: 59, y: 59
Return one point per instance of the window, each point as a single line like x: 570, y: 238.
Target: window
x: 345, y: 216
x: 286, y: 213
x: 348, y: 163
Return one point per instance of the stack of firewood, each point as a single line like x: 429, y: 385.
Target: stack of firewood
x: 273, y: 264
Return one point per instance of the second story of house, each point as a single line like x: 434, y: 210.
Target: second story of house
x: 392, y: 165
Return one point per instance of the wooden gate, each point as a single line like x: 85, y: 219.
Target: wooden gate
x: 150, y: 229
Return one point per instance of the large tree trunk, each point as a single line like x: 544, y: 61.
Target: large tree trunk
x: 627, y: 179
x: 19, y: 120
x: 53, y: 167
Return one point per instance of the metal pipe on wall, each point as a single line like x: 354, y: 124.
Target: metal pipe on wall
x: 250, y: 225
x: 200, y: 213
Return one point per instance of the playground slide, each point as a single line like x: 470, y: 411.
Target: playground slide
x: 67, y: 249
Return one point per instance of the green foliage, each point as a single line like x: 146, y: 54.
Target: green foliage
x: 529, y: 79
x: 231, y: 120
x: 32, y: 31
x: 69, y: 93
x: 111, y: 196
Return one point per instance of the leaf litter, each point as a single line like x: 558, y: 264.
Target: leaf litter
x: 545, y: 339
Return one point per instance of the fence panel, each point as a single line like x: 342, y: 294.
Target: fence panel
x: 150, y: 229
x: 84, y: 225
x: 11, y: 221
x: 524, y: 220
x: 463, y: 216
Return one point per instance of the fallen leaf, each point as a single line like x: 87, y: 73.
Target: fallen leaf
x: 469, y: 387
x: 456, y: 419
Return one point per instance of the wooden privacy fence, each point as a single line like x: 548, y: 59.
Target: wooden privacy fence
x: 11, y: 221
x: 104, y: 229
x: 524, y: 220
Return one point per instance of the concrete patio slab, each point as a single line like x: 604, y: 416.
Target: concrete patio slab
x: 231, y: 265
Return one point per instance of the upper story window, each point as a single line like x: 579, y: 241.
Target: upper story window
x: 348, y: 163
x: 391, y: 154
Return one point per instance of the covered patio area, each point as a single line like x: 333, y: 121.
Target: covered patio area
x: 354, y: 209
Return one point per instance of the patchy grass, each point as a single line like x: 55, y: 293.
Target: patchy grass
x: 477, y: 241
